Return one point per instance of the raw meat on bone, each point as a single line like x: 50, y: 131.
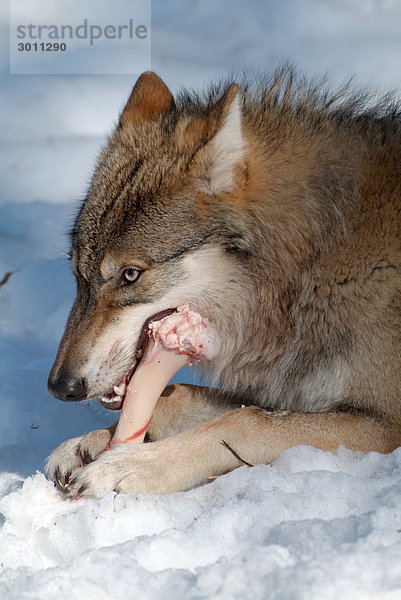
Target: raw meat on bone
x: 182, y: 337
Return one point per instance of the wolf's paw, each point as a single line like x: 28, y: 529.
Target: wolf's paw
x: 134, y: 468
x: 128, y: 468
x: 74, y: 454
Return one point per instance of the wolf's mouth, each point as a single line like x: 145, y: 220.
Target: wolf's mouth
x: 114, y: 399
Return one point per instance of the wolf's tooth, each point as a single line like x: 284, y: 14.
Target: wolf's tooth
x: 120, y: 389
x: 109, y: 399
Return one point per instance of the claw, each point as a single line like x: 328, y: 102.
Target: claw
x: 81, y: 489
x: 61, y: 482
x: 86, y: 457
x: 72, y: 492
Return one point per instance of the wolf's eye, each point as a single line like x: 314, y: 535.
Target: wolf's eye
x: 130, y: 275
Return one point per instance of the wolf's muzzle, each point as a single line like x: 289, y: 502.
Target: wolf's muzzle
x: 67, y: 388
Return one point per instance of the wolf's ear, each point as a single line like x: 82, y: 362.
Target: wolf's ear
x: 149, y: 97
x: 224, y: 145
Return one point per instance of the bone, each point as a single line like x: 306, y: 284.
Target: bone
x: 185, y: 336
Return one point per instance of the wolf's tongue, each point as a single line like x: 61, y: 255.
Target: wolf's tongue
x: 181, y: 337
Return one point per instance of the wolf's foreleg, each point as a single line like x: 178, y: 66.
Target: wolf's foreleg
x: 180, y: 407
x: 219, y: 445
x: 183, y: 406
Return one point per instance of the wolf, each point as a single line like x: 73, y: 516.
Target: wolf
x: 273, y: 208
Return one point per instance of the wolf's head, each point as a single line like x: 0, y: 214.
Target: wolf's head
x: 159, y: 228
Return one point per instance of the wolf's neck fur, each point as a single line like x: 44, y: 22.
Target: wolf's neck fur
x: 300, y: 198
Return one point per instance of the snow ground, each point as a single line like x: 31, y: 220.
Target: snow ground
x: 314, y: 525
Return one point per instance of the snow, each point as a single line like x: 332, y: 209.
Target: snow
x: 313, y: 525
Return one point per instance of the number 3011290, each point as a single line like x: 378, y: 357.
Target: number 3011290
x: 42, y: 47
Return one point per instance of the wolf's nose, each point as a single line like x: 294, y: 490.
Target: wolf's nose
x: 67, y: 388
